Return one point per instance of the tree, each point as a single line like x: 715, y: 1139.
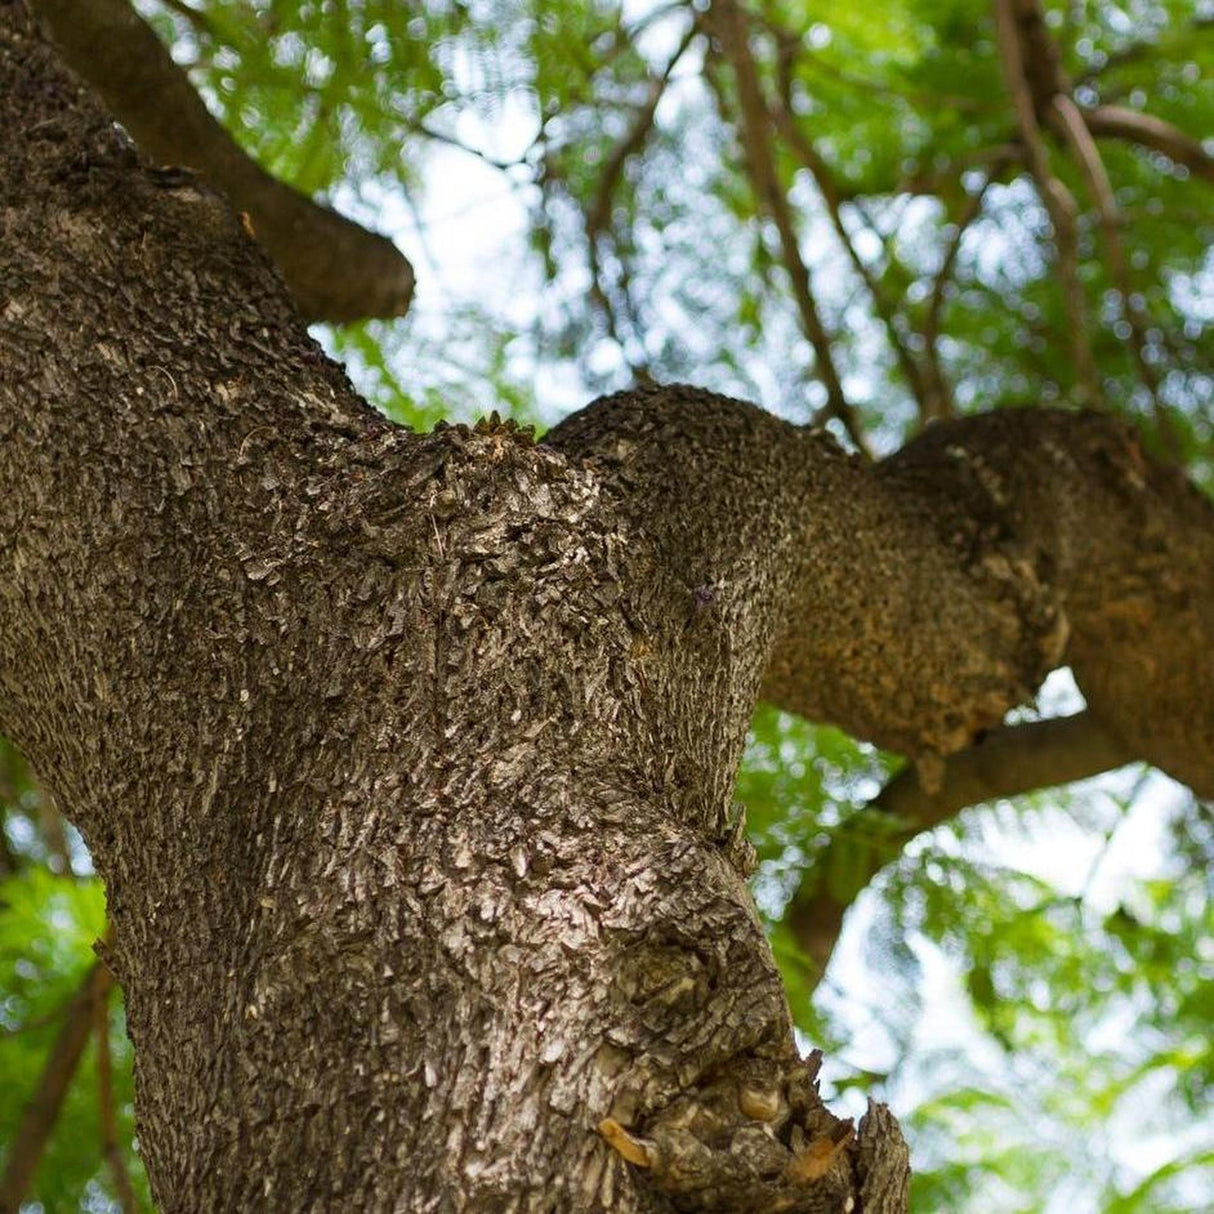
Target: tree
x: 408, y: 759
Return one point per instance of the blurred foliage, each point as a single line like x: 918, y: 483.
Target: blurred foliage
x: 49, y: 923
x: 569, y: 177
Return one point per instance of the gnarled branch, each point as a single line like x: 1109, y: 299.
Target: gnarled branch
x: 335, y: 269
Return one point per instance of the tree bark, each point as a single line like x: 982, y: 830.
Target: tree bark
x: 408, y: 759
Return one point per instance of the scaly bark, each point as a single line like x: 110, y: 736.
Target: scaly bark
x: 407, y: 760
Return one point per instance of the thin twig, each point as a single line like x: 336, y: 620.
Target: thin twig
x: 1145, y: 48
x: 1106, y: 849
x: 10, y: 764
x: 871, y: 86
x: 38, y: 1120
x: 9, y: 862
x: 1070, y: 122
x: 598, y: 216
x: 940, y: 394
x: 110, y: 1147
x: 54, y: 835
x: 419, y: 127
x: 942, y: 172
x: 1057, y: 199
x: 634, y: 139
x: 731, y: 29
x: 38, y: 1022
x: 198, y: 20
x: 828, y: 188
x: 50, y: 821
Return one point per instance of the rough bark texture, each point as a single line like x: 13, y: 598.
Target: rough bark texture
x: 407, y: 760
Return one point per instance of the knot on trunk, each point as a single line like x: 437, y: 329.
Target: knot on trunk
x: 752, y: 1137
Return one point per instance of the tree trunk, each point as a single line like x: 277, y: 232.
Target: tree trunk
x: 407, y: 760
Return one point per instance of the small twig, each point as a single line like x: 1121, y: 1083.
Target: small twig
x: 38, y: 1022
x: 38, y: 1120
x: 598, y: 216
x: 1071, y: 124
x: 1144, y: 48
x: 50, y: 821
x: 606, y: 305
x: 731, y: 29
x: 635, y: 137
x: 640, y: 369
x: 110, y: 1147
x: 9, y: 863
x: 1057, y: 199
x: 871, y: 86
x: 828, y: 188
x: 9, y: 767
x: 1098, y: 860
x: 198, y: 20
x: 943, y: 172
x: 419, y: 127
x: 1118, y: 122
x: 940, y: 394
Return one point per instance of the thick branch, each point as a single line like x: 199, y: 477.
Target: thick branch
x: 1125, y: 547
x: 950, y: 578
x: 941, y: 590
x: 335, y: 269
x: 1007, y: 762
